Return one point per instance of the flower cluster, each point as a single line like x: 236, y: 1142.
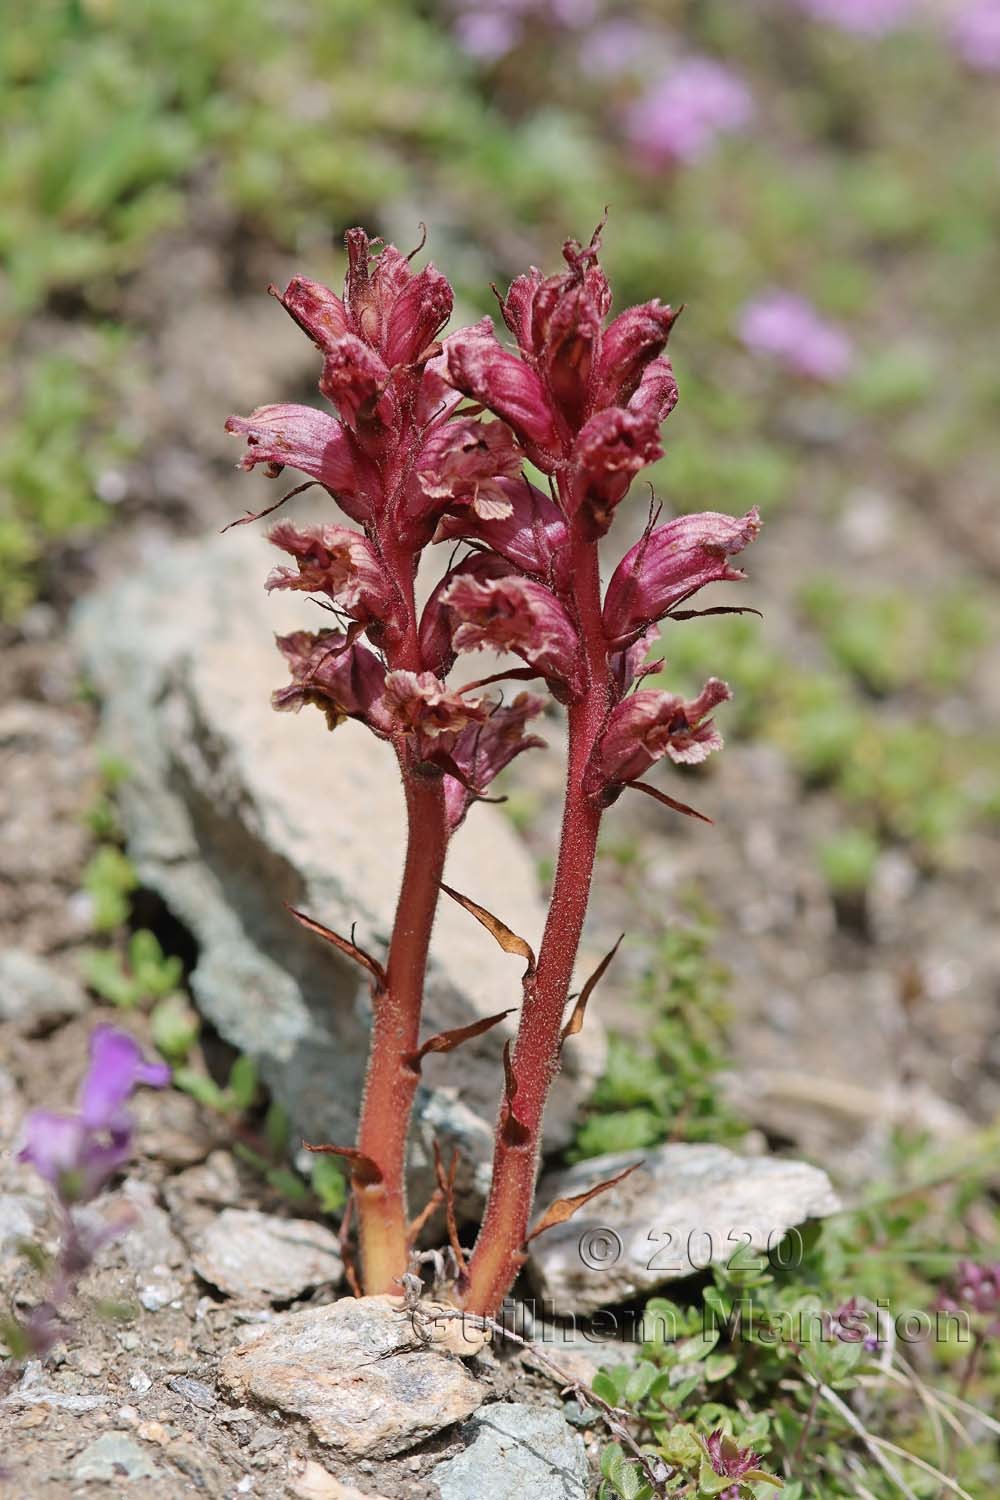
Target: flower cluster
x: 78, y: 1154
x: 680, y: 117
x: 400, y: 462
x: 732, y: 1462
x: 862, y: 17
x: 788, y: 329
x: 975, y: 1289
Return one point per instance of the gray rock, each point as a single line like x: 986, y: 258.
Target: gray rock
x: 515, y: 1451
x: 232, y: 810
x: 20, y: 1219
x: 114, y: 1457
x: 684, y: 1208
x: 352, y: 1371
x: 33, y: 1391
x: 34, y: 993
x: 261, y: 1258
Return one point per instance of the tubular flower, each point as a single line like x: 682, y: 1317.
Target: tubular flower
x: 731, y: 1462
x: 532, y: 535
x: 463, y: 465
x: 651, y: 724
x: 342, y: 678
x: 78, y: 1153
x: 335, y: 561
x: 309, y: 440
x: 482, y: 751
x: 481, y: 369
x: 519, y: 615
x: 672, y: 562
x: 419, y: 707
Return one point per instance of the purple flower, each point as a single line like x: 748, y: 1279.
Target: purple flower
x: 863, y: 17
x: 790, y: 330
x: 679, y: 118
x: 614, y: 47
x: 486, y: 35
x: 78, y: 1153
x: 975, y: 32
x: 975, y: 1289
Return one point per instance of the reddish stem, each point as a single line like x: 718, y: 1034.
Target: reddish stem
x: 391, y: 1079
x: 499, y: 1254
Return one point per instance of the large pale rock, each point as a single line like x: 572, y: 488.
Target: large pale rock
x: 261, y: 1258
x: 352, y: 1370
x: 516, y: 1451
x: 232, y: 810
x: 684, y: 1208
x: 33, y: 993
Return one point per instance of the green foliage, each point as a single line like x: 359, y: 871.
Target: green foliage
x: 66, y: 430
x: 754, y: 1353
x: 109, y: 879
x: 666, y: 1086
x: 847, y: 860
x: 235, y: 1098
x: 145, y: 973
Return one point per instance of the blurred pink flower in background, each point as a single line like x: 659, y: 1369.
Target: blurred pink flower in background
x: 489, y: 29
x: 679, y: 118
x: 975, y: 31
x: 865, y: 17
x: 615, y: 46
x: 791, y: 330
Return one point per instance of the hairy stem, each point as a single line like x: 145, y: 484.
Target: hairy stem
x: 498, y: 1254
x: 391, y: 1078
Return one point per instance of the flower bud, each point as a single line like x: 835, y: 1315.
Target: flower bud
x: 610, y: 451
x: 505, y: 385
x: 635, y: 338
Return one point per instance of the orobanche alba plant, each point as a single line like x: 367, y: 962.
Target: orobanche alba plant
x: 427, y: 443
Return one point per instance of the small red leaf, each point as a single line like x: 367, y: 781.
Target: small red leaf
x: 681, y: 807
x: 575, y: 1022
x: 260, y: 514
x: 508, y: 940
x: 564, y: 1208
x: 364, y: 1171
x: 343, y: 945
x: 447, y: 1041
x: 516, y: 1133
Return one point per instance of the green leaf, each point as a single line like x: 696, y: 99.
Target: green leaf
x: 329, y: 1183
x: 202, y: 1088
x: 242, y: 1085
x: 718, y: 1366
x: 174, y: 1026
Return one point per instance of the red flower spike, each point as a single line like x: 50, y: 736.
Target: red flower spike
x: 670, y: 564
x: 651, y: 724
